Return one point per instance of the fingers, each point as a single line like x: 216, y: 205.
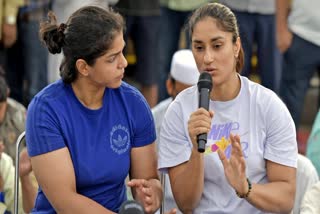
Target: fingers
x: 199, y: 122
x: 236, y: 145
x: 138, y: 183
x: 223, y: 158
x: 172, y: 211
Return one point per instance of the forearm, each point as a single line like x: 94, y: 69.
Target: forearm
x: 276, y: 197
x: 29, y: 193
x: 282, y: 13
x: 188, y: 184
x: 76, y: 203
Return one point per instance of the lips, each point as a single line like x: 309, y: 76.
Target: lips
x: 210, y: 70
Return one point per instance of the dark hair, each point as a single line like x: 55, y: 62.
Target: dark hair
x: 88, y: 34
x: 226, y: 21
x: 3, y: 86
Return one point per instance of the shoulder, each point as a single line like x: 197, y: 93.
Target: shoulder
x: 187, y: 96
x: 54, y: 92
x: 132, y: 95
x: 262, y: 96
x: 162, y: 106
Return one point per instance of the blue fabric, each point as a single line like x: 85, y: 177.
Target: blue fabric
x: 300, y: 63
x: 34, y: 56
x: 144, y: 32
x: 35, y: 5
x: 260, y: 30
x: 171, y: 23
x: 2, y: 197
x: 99, y: 141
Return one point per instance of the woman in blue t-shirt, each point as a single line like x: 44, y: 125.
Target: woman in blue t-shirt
x: 86, y: 132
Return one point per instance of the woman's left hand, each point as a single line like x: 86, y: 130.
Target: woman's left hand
x: 235, y: 167
x: 146, y: 193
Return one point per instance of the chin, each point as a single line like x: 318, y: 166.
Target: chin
x: 115, y: 85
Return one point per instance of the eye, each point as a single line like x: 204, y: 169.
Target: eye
x: 217, y: 46
x: 198, y: 48
x: 111, y: 59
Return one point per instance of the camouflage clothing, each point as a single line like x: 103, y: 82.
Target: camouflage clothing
x: 12, y: 126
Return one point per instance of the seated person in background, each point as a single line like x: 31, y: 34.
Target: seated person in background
x: 306, y: 177
x: 310, y: 202
x: 183, y: 74
x: 313, y: 145
x: 12, y: 124
x: 12, y: 118
x: 28, y: 193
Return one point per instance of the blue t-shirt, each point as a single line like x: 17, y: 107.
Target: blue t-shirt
x: 99, y: 141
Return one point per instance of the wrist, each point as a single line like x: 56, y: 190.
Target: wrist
x: 247, y: 191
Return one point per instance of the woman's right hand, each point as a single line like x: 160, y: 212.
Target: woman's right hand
x: 199, y: 123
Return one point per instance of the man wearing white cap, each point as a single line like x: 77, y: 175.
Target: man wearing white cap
x: 183, y: 74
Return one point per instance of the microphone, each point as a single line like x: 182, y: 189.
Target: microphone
x: 131, y: 207
x: 204, y: 87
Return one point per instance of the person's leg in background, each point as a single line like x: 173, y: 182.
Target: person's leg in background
x: 145, y: 37
x: 269, y: 57
x: 247, y: 27
x: 35, y: 57
x: 15, y: 70
x: 300, y: 62
x: 171, y: 23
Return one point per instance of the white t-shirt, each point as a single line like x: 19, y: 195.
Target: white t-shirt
x: 266, y: 130
x: 310, y: 203
x: 304, y: 20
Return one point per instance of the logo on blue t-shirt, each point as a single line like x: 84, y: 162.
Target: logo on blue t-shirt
x: 119, y: 139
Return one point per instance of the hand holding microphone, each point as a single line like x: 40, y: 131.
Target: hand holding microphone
x: 204, y: 87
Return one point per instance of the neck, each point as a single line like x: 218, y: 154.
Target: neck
x: 89, y: 95
x: 227, y: 91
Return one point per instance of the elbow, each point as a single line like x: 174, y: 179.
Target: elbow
x: 188, y: 205
x: 286, y: 206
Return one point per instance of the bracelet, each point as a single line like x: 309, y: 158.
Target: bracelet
x: 246, y: 195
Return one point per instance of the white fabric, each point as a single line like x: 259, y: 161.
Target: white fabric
x: 158, y: 113
x: 310, y: 203
x: 304, y: 20
x: 184, y: 68
x: 266, y: 130
x: 307, y: 176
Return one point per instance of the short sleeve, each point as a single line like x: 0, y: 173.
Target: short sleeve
x: 144, y: 128
x: 43, y: 132
x: 280, y: 144
x: 174, y: 145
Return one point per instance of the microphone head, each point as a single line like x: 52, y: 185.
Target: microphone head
x: 131, y: 207
x: 205, y: 81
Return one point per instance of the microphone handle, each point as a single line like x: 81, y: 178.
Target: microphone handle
x: 204, y: 97
x: 202, y: 140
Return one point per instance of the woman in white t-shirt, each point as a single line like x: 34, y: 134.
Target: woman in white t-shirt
x: 249, y: 164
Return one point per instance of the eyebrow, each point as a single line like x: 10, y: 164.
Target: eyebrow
x: 211, y: 40
x: 117, y: 53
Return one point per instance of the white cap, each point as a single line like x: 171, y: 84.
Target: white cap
x: 184, y: 68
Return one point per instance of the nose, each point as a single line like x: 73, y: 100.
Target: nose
x: 208, y: 57
x: 123, y: 61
